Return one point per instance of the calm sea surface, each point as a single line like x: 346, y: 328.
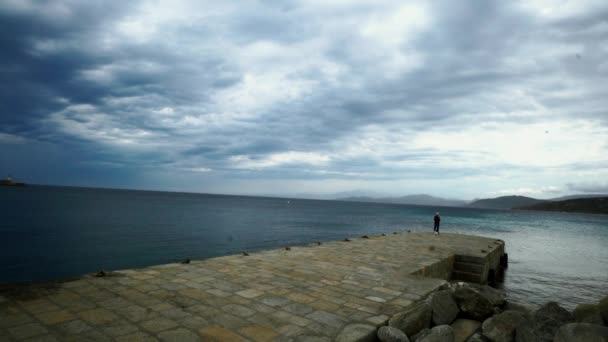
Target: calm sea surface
x: 49, y: 233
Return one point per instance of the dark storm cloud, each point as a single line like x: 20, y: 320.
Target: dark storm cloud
x: 298, y: 90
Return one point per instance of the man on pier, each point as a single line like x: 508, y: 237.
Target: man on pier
x: 437, y: 219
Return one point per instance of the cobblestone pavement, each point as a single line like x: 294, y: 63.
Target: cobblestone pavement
x: 307, y: 293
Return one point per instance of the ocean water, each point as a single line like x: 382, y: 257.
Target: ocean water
x: 51, y: 233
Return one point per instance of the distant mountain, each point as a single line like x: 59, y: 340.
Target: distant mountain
x: 420, y: 199
x: 505, y: 202
x: 596, y: 205
x: 563, y: 198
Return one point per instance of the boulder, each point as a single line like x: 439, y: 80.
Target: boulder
x: 411, y: 321
x: 473, y: 304
x: 495, y: 296
x: 544, y: 324
x: 603, y: 305
x: 513, y: 306
x: 420, y: 334
x: 357, y: 332
x: 582, y: 332
x: 444, y: 307
x: 501, y: 327
x: 440, y: 333
x: 390, y: 334
x: 588, y: 313
x: 477, y: 337
x: 464, y: 328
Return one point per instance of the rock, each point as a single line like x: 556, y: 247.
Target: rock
x: 464, y: 328
x: 390, y: 334
x: 444, y: 307
x: 420, y: 334
x: 477, y: 337
x: 495, y: 296
x: 588, y: 313
x: 604, y: 309
x: 411, y: 321
x: 357, y: 332
x: 501, y: 327
x: 581, y: 332
x: 440, y: 333
x: 513, y: 306
x: 544, y: 324
x: 473, y: 304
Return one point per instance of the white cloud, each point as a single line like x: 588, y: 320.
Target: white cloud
x: 278, y: 159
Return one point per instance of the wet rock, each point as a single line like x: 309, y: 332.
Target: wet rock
x: 444, y: 307
x: 495, y: 296
x: 357, y: 332
x: 477, y: 337
x: 501, y: 327
x: 420, y: 334
x: 544, y: 324
x: 473, y: 304
x: 440, y: 333
x: 588, y: 313
x: 390, y: 334
x: 604, y: 309
x: 523, y: 308
x: 581, y: 332
x: 411, y: 321
x: 464, y: 328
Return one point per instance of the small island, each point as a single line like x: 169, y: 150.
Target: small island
x: 9, y: 182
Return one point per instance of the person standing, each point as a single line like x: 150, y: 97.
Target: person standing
x: 437, y: 219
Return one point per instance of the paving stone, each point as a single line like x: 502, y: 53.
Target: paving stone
x: 55, y: 317
x: 258, y: 333
x: 97, y: 316
x: 137, y: 337
x: 44, y: 338
x: 250, y: 293
x: 73, y: 327
x: 215, y: 333
x: 179, y: 335
x: 158, y: 324
x: 327, y: 318
x: 120, y: 330
x: 298, y: 309
x: 238, y: 310
x: 274, y: 301
x: 14, y: 319
x: 39, y: 305
x: 27, y: 330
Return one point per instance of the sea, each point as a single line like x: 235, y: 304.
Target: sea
x: 50, y: 233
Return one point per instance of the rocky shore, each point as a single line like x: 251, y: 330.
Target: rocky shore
x: 462, y: 312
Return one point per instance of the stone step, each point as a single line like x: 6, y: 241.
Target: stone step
x: 470, y: 259
x: 468, y: 267
x: 467, y: 276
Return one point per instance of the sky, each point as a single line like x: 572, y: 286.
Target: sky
x: 458, y: 99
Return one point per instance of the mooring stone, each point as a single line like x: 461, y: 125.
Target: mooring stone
x: 588, y: 313
x: 444, y: 307
x: 581, y: 332
x: 464, y: 328
x: 477, y: 337
x: 440, y: 333
x: 357, y: 332
x: 420, y: 334
x: 390, y: 334
x: 473, y: 304
x: 413, y: 320
x: 501, y: 327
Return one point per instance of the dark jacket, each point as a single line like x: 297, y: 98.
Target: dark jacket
x: 437, y: 218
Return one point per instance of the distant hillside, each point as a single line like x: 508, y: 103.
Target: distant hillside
x: 563, y: 198
x: 420, y: 199
x: 597, y: 205
x: 505, y: 202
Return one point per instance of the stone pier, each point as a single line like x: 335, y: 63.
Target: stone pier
x: 307, y: 293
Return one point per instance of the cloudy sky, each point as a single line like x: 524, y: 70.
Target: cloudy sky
x: 459, y: 99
